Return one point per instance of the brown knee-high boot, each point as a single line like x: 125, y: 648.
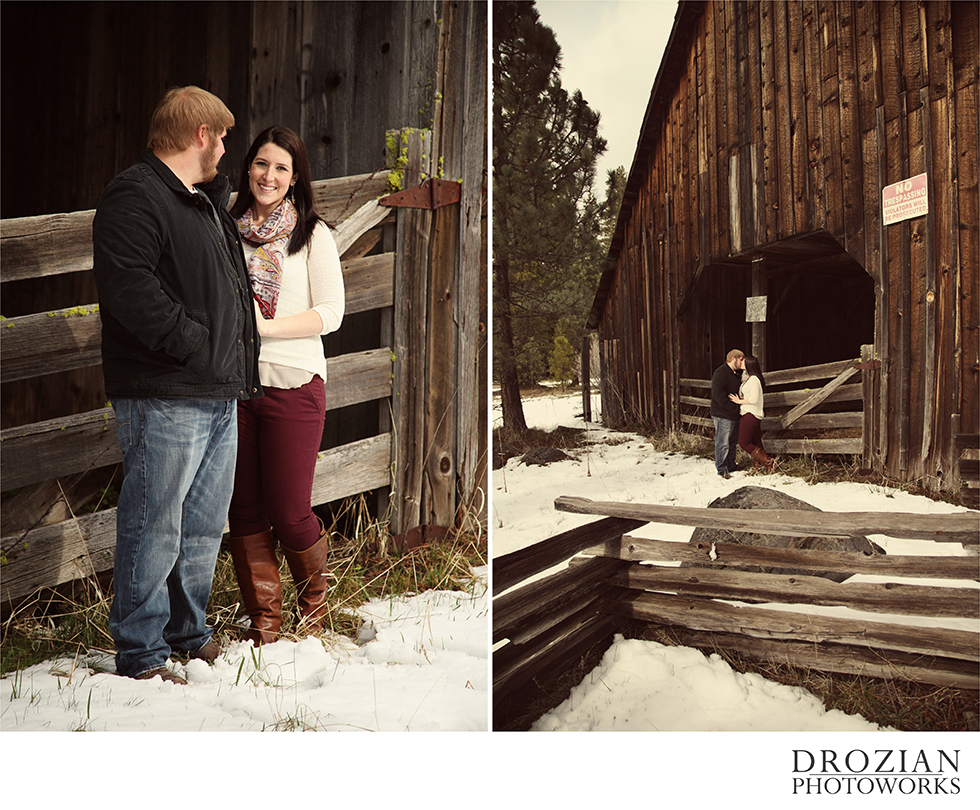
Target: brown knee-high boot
x: 308, y: 568
x: 760, y: 457
x: 257, y: 569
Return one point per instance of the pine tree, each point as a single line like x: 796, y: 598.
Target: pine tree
x: 546, y: 221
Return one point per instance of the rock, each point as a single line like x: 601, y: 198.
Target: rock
x: 544, y: 455
x: 762, y: 498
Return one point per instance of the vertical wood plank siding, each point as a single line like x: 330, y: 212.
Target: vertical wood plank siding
x: 775, y: 124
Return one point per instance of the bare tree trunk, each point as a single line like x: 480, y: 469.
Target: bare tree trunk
x: 510, y: 390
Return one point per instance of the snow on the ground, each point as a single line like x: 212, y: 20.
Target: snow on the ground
x: 420, y: 665
x: 644, y: 685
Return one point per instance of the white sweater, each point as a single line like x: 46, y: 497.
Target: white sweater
x: 311, y: 279
x: 751, y: 391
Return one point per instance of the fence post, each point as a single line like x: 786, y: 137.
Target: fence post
x: 410, y: 157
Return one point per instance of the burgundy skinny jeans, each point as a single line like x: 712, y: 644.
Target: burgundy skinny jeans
x: 278, y: 440
x: 749, y: 433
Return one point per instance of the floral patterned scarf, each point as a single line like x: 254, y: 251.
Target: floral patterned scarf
x: 270, y: 240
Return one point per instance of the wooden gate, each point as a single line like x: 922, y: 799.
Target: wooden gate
x: 43, y: 546
x: 812, y: 410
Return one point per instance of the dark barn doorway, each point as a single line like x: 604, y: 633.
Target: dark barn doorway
x: 820, y: 302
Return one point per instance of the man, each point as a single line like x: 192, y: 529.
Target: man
x: 179, y: 348
x: 725, y: 413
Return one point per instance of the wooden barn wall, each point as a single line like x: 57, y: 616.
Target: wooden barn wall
x: 784, y: 119
x: 81, y: 81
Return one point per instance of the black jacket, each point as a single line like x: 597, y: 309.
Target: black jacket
x: 174, y: 296
x: 724, y: 382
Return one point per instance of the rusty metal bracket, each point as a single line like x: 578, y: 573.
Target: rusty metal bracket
x: 429, y: 194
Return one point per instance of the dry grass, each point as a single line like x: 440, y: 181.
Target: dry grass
x: 74, y: 617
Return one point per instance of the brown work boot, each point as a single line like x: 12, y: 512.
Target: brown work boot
x: 257, y: 569
x: 209, y: 652
x: 162, y: 672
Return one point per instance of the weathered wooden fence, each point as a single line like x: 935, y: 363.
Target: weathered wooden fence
x: 44, y: 547
x: 545, y: 625
x: 811, y: 410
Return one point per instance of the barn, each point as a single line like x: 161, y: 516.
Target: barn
x: 804, y: 188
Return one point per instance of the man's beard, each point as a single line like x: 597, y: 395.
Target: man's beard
x: 209, y: 166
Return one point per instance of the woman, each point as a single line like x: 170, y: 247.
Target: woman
x: 750, y: 426
x: 299, y: 295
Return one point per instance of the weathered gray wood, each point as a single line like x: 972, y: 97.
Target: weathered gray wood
x: 822, y: 371
x: 369, y: 283
x: 411, y: 296
x: 747, y: 586
x: 47, y: 342
x: 81, y: 442
x: 515, y: 665
x: 338, y: 198
x: 782, y: 399
x: 368, y: 216
x: 32, y: 247
x: 638, y: 549
x: 957, y: 527
x: 57, y: 447
x: 511, y: 610
x: 851, y: 660
x: 467, y: 162
x: 846, y: 393
x: 704, y: 614
x: 52, y: 244
x: 71, y: 338
x: 820, y: 396
x: 511, y: 569
x: 359, y: 377
x: 62, y: 552
x: 50, y: 555
x: 352, y: 469
x: 814, y: 447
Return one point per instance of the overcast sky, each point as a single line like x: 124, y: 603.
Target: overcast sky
x: 611, y: 51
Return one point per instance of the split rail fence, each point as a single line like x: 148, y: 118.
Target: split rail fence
x: 544, y: 626
x: 46, y: 554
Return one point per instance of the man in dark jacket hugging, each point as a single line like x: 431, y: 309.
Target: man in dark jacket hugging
x: 179, y: 348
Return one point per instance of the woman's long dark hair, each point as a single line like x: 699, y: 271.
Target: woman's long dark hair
x: 753, y: 368
x: 306, y: 215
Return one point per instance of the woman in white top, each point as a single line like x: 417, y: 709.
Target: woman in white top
x: 298, y: 288
x: 750, y: 396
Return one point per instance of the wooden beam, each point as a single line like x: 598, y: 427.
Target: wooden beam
x: 733, y: 555
x: 748, y: 586
x: 703, y: 614
x: 956, y: 527
x: 511, y: 569
x: 820, y: 396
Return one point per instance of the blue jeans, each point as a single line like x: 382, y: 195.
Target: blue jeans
x: 726, y: 443
x: 178, y: 473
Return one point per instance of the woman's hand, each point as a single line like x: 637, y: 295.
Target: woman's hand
x: 305, y: 324
x: 732, y: 397
x: 261, y: 324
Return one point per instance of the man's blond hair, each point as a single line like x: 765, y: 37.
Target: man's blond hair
x: 180, y: 113
x: 734, y: 354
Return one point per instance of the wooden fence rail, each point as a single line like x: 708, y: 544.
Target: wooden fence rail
x: 544, y: 626
x: 48, y: 342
